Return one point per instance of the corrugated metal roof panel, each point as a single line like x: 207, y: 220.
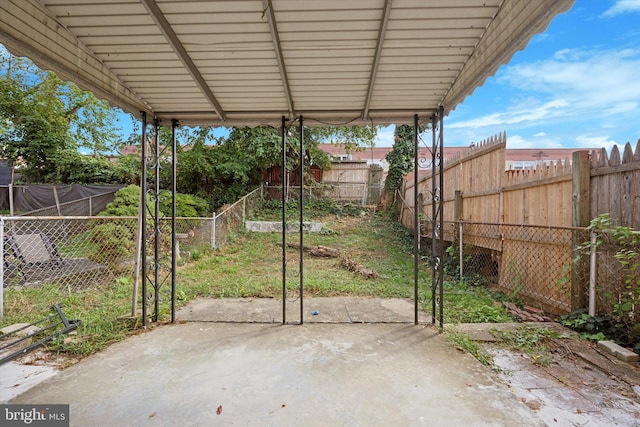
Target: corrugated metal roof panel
x: 253, y: 61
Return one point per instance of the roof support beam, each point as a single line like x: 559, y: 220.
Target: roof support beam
x: 275, y: 36
x: 376, y: 60
x: 29, y: 29
x: 179, y: 49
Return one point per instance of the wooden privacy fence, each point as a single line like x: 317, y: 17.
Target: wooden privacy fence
x: 615, y: 185
x: 562, y: 194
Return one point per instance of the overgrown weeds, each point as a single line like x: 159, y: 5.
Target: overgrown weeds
x: 251, y: 266
x: 464, y: 342
x: 534, y: 341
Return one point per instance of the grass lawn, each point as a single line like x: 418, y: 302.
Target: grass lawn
x: 251, y: 266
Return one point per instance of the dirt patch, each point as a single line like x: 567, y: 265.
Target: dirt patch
x: 44, y: 357
x: 581, y: 385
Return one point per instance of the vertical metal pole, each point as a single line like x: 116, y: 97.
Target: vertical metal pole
x: 416, y: 219
x: 143, y: 217
x: 244, y: 211
x: 434, y: 251
x: 174, y: 190
x: 213, y: 231
x: 284, y: 222
x: 301, y: 203
x: 11, y: 208
x: 461, y: 260
x: 2, y: 265
x: 593, y: 265
x: 136, y: 263
x: 156, y: 223
x: 441, y: 215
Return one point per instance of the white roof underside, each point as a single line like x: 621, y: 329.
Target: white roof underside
x: 248, y: 62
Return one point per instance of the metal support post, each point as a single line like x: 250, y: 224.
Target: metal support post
x: 284, y: 222
x: 143, y: 217
x: 434, y: 212
x: 174, y: 187
x: 416, y: 219
x: 441, y: 214
x: 437, y: 217
x: 301, y: 205
x: 156, y: 223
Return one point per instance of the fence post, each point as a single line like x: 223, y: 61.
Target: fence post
x: 244, y: 210
x: 11, y: 208
x: 2, y: 266
x: 461, y: 254
x: 581, y: 179
x: 457, y: 216
x: 213, y: 232
x: 593, y: 266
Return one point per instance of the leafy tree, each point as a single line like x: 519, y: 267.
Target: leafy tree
x: 353, y: 137
x: 128, y: 169
x: 44, y: 120
x: 77, y: 168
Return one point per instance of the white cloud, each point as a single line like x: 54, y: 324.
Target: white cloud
x: 516, y: 141
x: 540, y: 134
x: 584, y: 141
x: 570, y: 87
x: 586, y: 79
x: 622, y: 6
x: 540, y: 141
x: 517, y: 115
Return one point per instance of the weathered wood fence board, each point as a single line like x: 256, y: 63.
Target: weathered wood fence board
x: 545, y: 196
x: 615, y: 185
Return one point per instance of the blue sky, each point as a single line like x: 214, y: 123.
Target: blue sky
x: 577, y: 85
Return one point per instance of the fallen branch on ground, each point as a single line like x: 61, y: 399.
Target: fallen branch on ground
x: 316, y: 251
x: 351, y: 265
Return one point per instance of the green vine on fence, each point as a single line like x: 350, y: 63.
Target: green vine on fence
x: 624, y: 305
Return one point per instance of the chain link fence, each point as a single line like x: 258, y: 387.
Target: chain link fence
x: 231, y: 219
x: 616, y: 279
x: 530, y: 265
x: 83, y: 252
x: 359, y: 194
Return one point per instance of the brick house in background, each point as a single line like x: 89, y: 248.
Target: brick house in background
x: 515, y: 158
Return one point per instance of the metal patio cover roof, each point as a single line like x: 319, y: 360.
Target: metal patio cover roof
x: 249, y: 62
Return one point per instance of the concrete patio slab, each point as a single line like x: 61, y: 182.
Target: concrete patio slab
x: 315, y: 310
x: 201, y: 373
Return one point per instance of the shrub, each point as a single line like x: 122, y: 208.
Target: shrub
x: 113, y: 243
x: 127, y: 199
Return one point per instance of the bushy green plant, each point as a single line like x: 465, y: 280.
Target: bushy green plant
x: 624, y: 304
x: 125, y: 202
x: 113, y: 243
x: 127, y: 199
x: 593, y: 328
x: 187, y: 205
